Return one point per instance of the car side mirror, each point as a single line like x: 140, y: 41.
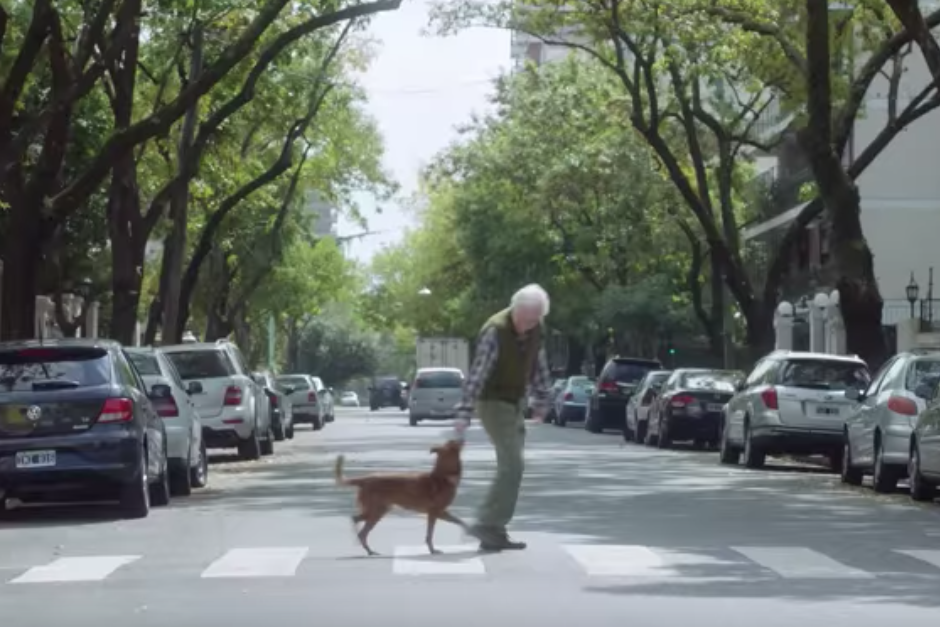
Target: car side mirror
x: 161, y: 391
x: 194, y: 387
x: 853, y: 394
x: 330, y: 390
x: 740, y: 386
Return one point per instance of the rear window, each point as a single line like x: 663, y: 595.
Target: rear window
x: 581, y: 382
x: 824, y: 374
x: 628, y: 371
x: 388, y: 383
x: 44, y: 369
x: 208, y: 364
x: 298, y: 383
x: 922, y: 370
x: 146, y: 364
x: 720, y: 381
x: 436, y: 380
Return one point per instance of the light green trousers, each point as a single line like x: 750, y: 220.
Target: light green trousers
x: 505, y: 425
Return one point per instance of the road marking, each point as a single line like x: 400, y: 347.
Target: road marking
x: 460, y: 559
x: 76, y: 569
x: 929, y: 556
x: 612, y: 560
x: 261, y: 562
x: 800, y: 563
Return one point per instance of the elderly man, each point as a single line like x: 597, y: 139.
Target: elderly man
x: 510, y: 358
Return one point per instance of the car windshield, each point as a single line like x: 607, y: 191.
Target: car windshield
x: 42, y: 369
x: 922, y: 370
x: 298, y: 383
x: 207, y: 364
x: 825, y: 374
x: 145, y: 363
x: 441, y: 379
x: 628, y: 372
x: 583, y: 383
x: 720, y: 381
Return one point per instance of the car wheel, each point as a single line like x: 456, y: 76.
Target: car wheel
x: 199, y: 474
x: 649, y: 438
x: 754, y: 456
x: 640, y: 434
x: 884, y: 477
x: 135, y: 495
x: 590, y: 423
x: 279, y: 431
x: 849, y: 473
x: 290, y: 431
x: 160, y: 490
x: 181, y: 480
x: 317, y: 424
x: 921, y: 488
x: 628, y: 434
x: 267, y: 444
x: 727, y: 454
x: 250, y: 449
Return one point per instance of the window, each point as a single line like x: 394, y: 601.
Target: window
x: 145, y: 363
x: 442, y: 379
x: 628, y: 371
x: 922, y: 370
x: 298, y: 383
x: 42, y: 369
x: 204, y: 364
x: 759, y: 372
x: 824, y: 374
x: 719, y: 381
x: 878, y: 379
x: 167, y: 366
x: 127, y: 373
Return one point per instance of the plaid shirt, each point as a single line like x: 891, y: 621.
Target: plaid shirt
x: 539, y: 379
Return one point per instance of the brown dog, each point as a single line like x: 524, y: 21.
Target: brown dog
x: 429, y: 493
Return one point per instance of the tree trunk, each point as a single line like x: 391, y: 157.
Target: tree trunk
x: 293, y: 346
x: 128, y: 244
x: 717, y: 316
x: 22, y: 259
x: 174, y: 321
x: 577, y: 352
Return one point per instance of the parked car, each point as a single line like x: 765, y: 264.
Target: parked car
x: 570, y: 403
x: 639, y: 404
x: 606, y: 408
x: 304, y: 400
x: 689, y: 407
x: 792, y: 402
x: 924, y: 467
x: 877, y: 435
x: 186, y: 452
x: 282, y: 414
x: 387, y: 392
x: 325, y: 395
x: 234, y: 409
x: 435, y: 394
x: 77, y: 419
x: 557, y: 386
x: 349, y: 399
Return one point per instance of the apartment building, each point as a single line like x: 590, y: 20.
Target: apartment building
x: 323, y: 214
x: 900, y: 194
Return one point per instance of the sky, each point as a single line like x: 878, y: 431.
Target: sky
x: 420, y: 87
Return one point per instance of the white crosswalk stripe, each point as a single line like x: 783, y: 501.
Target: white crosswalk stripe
x: 261, y: 562
x: 630, y: 562
x: 800, y: 563
x: 454, y: 560
x: 65, y: 569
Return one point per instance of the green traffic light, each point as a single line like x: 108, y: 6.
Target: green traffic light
x: 672, y: 351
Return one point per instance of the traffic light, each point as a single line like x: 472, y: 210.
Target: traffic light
x: 672, y: 351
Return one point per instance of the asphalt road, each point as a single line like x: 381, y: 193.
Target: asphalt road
x: 617, y: 535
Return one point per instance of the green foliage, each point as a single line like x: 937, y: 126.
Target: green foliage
x: 338, y: 350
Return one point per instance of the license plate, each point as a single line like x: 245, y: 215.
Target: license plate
x: 35, y: 459
x: 823, y: 410
x: 715, y: 407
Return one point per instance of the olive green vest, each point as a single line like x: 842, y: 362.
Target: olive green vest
x: 510, y: 375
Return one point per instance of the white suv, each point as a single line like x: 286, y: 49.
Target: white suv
x: 234, y: 409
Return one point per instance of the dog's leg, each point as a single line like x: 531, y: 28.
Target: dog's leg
x: 429, y: 536
x: 448, y: 517
x: 372, y: 518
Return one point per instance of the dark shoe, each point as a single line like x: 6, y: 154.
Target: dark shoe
x: 504, y: 543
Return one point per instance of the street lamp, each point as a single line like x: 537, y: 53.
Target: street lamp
x: 424, y: 292
x: 83, y: 289
x: 913, y: 291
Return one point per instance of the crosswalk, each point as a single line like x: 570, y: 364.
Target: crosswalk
x: 562, y: 561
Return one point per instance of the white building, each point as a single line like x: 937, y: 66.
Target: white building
x: 324, y: 215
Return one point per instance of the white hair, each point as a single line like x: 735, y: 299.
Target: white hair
x: 532, y: 295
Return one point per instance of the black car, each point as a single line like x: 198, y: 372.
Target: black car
x: 387, y: 392
x: 689, y: 407
x: 76, y: 420
x: 607, y: 406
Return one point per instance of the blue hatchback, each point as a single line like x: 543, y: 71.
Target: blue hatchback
x: 76, y: 419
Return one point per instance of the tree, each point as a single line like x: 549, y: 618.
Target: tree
x: 337, y: 349
x: 668, y: 57
x: 58, y: 65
